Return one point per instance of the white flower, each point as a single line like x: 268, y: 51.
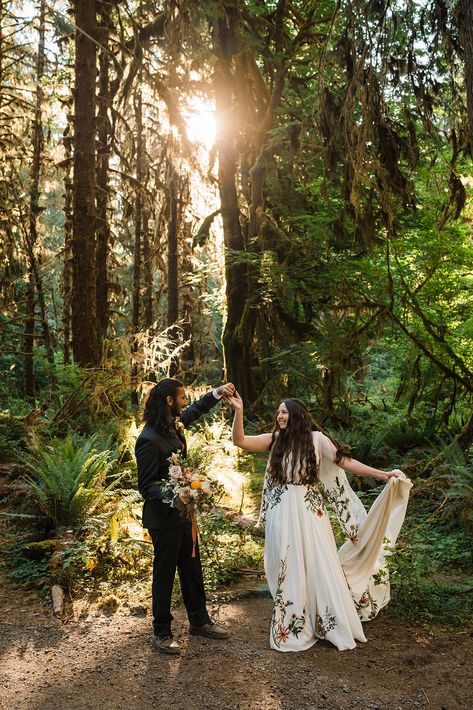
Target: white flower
x: 205, y: 487
x: 194, y: 493
x: 184, y: 493
x: 175, y: 472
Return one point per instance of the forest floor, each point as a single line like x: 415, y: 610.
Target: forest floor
x: 103, y: 657
x: 107, y: 660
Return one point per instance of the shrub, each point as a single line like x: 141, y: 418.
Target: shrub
x: 457, y: 473
x: 431, y: 569
x: 67, y: 480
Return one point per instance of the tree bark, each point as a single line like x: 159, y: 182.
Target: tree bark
x: 136, y: 306
x: 173, y: 286
x: 147, y: 272
x: 102, y: 227
x: 1, y: 43
x: 29, y: 383
x: 86, y: 340
x: 465, y: 437
x: 466, y: 33
x: 67, y: 268
x: 239, y: 324
x: 187, y: 290
x: 34, y: 276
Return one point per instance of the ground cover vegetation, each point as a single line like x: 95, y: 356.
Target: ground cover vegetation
x: 280, y: 191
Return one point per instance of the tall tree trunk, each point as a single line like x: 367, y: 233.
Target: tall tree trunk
x: 237, y: 338
x: 34, y: 276
x: 86, y: 339
x: 147, y: 272
x: 138, y: 238
x: 37, y: 137
x: 465, y: 437
x: 1, y: 43
x: 102, y: 227
x: 173, y: 287
x: 29, y: 383
x: 148, y: 296
x: 188, y: 298
x: 67, y: 268
x: 466, y: 32
x: 187, y: 290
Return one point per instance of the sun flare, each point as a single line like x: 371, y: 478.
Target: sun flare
x: 199, y: 118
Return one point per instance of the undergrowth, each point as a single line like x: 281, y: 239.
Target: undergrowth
x: 99, y: 546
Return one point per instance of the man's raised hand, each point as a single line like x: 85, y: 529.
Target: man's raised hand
x: 227, y: 390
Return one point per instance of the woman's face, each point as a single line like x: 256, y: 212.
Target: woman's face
x: 282, y: 416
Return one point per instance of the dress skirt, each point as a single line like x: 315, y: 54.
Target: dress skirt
x: 319, y: 592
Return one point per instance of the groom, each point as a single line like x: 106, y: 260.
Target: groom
x: 170, y: 530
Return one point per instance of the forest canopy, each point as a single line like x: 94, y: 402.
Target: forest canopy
x: 277, y: 191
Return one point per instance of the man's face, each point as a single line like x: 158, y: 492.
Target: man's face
x: 177, y: 402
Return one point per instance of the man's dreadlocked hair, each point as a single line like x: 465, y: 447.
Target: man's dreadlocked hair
x: 156, y: 406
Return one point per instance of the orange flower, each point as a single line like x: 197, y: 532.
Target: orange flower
x: 196, y: 484
x: 282, y: 633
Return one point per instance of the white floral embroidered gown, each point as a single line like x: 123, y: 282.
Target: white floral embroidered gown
x: 317, y: 591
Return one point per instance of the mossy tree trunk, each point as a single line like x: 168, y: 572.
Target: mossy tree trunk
x: 172, y: 262
x: 239, y: 324
x: 137, y: 251
x: 102, y: 225
x: 35, y: 283
x: 466, y: 32
x: 86, y: 338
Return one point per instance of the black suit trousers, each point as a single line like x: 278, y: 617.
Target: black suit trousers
x: 173, y: 550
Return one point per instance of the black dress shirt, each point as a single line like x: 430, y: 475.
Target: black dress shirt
x: 153, y: 449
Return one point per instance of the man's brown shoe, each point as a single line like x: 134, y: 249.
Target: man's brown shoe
x: 166, y: 644
x: 211, y: 631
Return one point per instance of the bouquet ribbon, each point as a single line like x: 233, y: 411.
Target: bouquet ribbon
x: 194, y: 531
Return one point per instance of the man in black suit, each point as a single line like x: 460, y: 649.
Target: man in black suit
x: 170, y: 530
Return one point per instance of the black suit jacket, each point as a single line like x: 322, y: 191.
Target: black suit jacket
x: 153, y: 449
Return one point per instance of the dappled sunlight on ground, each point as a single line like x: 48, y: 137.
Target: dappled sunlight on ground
x: 109, y: 662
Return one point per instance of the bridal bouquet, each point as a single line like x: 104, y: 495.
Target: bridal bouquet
x: 191, y: 486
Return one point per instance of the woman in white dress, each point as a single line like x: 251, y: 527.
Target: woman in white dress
x: 320, y: 593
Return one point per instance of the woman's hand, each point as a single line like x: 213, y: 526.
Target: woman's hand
x: 236, y: 401
x: 395, y: 473
x: 386, y: 475
x: 262, y: 442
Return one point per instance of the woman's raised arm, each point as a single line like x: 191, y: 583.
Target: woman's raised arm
x: 239, y: 438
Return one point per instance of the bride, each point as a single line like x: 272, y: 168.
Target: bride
x: 320, y: 593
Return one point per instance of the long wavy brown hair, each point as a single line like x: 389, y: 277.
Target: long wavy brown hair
x: 296, y: 439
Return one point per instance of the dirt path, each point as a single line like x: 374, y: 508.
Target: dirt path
x: 108, y: 662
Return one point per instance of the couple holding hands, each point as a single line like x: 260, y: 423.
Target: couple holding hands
x: 319, y: 592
